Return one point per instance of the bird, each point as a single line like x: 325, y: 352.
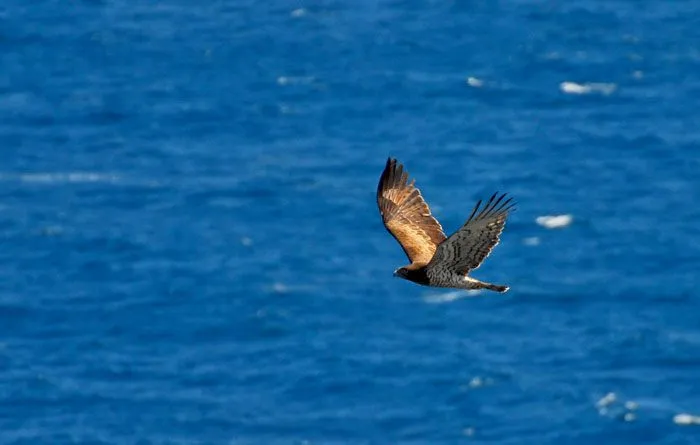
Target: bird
x: 438, y: 260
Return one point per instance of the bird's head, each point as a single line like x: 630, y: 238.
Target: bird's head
x: 401, y: 272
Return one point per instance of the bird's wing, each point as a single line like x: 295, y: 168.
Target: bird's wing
x: 467, y: 248
x: 406, y: 215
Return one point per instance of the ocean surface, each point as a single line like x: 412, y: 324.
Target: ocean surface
x: 191, y: 251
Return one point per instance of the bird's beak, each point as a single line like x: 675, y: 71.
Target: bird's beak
x: 396, y: 273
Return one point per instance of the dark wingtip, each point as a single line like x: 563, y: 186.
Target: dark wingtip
x: 492, y: 206
x: 500, y: 205
x: 391, y: 164
x: 508, y: 205
x: 393, y: 173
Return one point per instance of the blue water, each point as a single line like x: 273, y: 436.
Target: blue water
x: 191, y: 253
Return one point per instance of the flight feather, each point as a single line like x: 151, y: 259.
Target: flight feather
x: 467, y: 248
x: 406, y: 215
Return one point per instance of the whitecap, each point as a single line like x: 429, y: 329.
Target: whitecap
x: 295, y: 80
x: 72, y: 177
x: 554, y: 221
x: 474, y: 82
x: 280, y: 288
x: 606, y: 400
x: 686, y: 419
x: 532, y: 241
x: 610, y: 405
x: 450, y: 296
x: 478, y: 382
x: 587, y: 88
x: 469, y: 432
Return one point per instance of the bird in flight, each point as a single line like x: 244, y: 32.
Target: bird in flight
x: 437, y: 260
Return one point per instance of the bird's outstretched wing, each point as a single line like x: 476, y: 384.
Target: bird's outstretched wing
x: 406, y: 215
x: 467, y: 248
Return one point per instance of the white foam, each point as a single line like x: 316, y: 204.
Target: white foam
x: 587, y: 88
x: 631, y: 405
x: 606, y: 400
x: 574, y: 88
x: 280, y: 288
x: 478, y: 382
x: 686, y: 419
x: 294, y: 80
x: 532, y: 241
x: 450, y: 296
x: 474, y: 82
x: 469, y: 432
x: 612, y: 406
x: 300, y: 12
x: 554, y: 221
x: 70, y: 177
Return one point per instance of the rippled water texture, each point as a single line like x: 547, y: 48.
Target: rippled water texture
x: 191, y: 251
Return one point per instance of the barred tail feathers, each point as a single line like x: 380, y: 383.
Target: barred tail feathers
x: 476, y: 284
x: 496, y: 287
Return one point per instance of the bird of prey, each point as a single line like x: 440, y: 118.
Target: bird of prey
x: 436, y: 260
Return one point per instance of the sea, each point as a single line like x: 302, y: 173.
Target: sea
x: 191, y: 250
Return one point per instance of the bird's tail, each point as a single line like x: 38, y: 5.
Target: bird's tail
x: 494, y: 287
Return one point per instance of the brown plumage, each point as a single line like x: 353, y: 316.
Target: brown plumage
x: 436, y: 260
